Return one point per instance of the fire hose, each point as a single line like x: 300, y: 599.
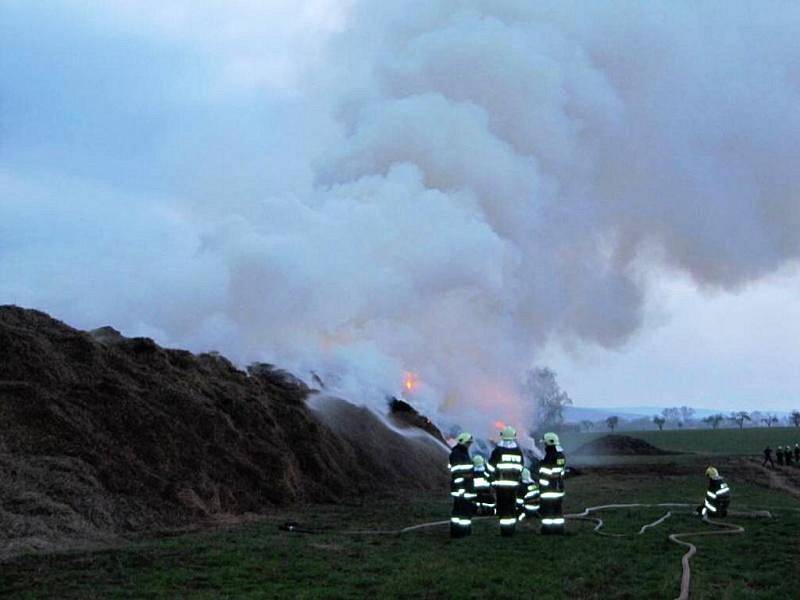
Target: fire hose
x: 729, y: 528
x: 677, y: 538
x: 687, y: 573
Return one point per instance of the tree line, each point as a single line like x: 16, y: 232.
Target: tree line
x: 680, y: 417
x: 542, y: 389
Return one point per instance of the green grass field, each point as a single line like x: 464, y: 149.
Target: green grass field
x: 702, y: 441
x: 260, y: 561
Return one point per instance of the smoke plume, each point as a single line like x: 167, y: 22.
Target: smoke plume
x: 451, y: 184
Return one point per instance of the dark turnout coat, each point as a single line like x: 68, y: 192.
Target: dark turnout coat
x: 718, y: 496
x: 551, y: 488
x: 461, y: 487
x: 505, y: 469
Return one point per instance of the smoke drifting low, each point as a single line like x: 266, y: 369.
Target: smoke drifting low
x: 464, y: 180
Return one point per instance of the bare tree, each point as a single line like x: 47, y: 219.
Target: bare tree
x: 770, y: 419
x: 714, y: 420
x: 740, y: 417
x: 549, y: 399
x: 587, y: 425
x: 659, y: 421
x: 671, y: 414
x: 686, y: 413
x: 795, y: 418
x: 612, y: 422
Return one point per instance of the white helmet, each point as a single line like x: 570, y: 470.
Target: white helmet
x: 464, y: 438
x: 508, y: 433
x: 551, y: 439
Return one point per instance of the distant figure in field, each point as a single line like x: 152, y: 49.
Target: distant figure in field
x: 551, y: 485
x: 797, y: 453
x: 484, y: 501
x: 779, y: 455
x: 787, y: 455
x: 505, y: 466
x: 461, y: 488
x: 768, y: 457
x: 718, y: 495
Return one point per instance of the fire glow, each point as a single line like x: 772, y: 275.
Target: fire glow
x: 411, y: 382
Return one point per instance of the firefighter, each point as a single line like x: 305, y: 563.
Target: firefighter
x: 768, y: 457
x: 527, y: 496
x: 484, y: 502
x: 797, y: 454
x: 461, y: 488
x: 779, y: 455
x: 718, y: 495
x: 787, y: 455
x: 521, y: 495
x: 551, y: 485
x: 505, y: 466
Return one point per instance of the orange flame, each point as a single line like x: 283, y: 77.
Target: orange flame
x: 411, y: 382
x: 500, y: 424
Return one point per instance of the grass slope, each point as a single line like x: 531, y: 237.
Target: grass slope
x: 259, y: 561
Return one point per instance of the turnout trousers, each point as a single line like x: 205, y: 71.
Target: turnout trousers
x: 507, y: 509
x: 551, y: 512
x: 461, y: 516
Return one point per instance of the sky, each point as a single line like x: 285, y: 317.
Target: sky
x: 717, y: 351
x: 461, y: 189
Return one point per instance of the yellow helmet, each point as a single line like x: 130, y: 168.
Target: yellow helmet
x: 477, y: 460
x: 464, y: 438
x: 712, y: 472
x: 508, y: 433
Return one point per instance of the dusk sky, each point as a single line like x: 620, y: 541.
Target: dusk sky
x: 460, y: 189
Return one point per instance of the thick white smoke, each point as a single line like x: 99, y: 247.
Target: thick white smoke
x: 487, y: 174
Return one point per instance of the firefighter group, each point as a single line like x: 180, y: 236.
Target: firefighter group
x: 504, y: 486
x: 786, y: 455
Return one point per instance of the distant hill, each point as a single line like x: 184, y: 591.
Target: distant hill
x: 576, y: 414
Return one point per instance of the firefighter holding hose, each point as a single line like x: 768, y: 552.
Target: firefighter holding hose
x: 505, y: 466
x: 551, y: 486
x: 461, y: 487
x: 718, y: 495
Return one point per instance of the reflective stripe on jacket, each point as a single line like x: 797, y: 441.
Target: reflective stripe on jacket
x: 461, y: 471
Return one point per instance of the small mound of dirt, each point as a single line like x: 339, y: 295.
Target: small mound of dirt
x: 619, y: 445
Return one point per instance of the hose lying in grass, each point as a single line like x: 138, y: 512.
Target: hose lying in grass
x: 584, y: 516
x: 729, y: 528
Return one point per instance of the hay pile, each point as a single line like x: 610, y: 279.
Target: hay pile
x: 104, y: 435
